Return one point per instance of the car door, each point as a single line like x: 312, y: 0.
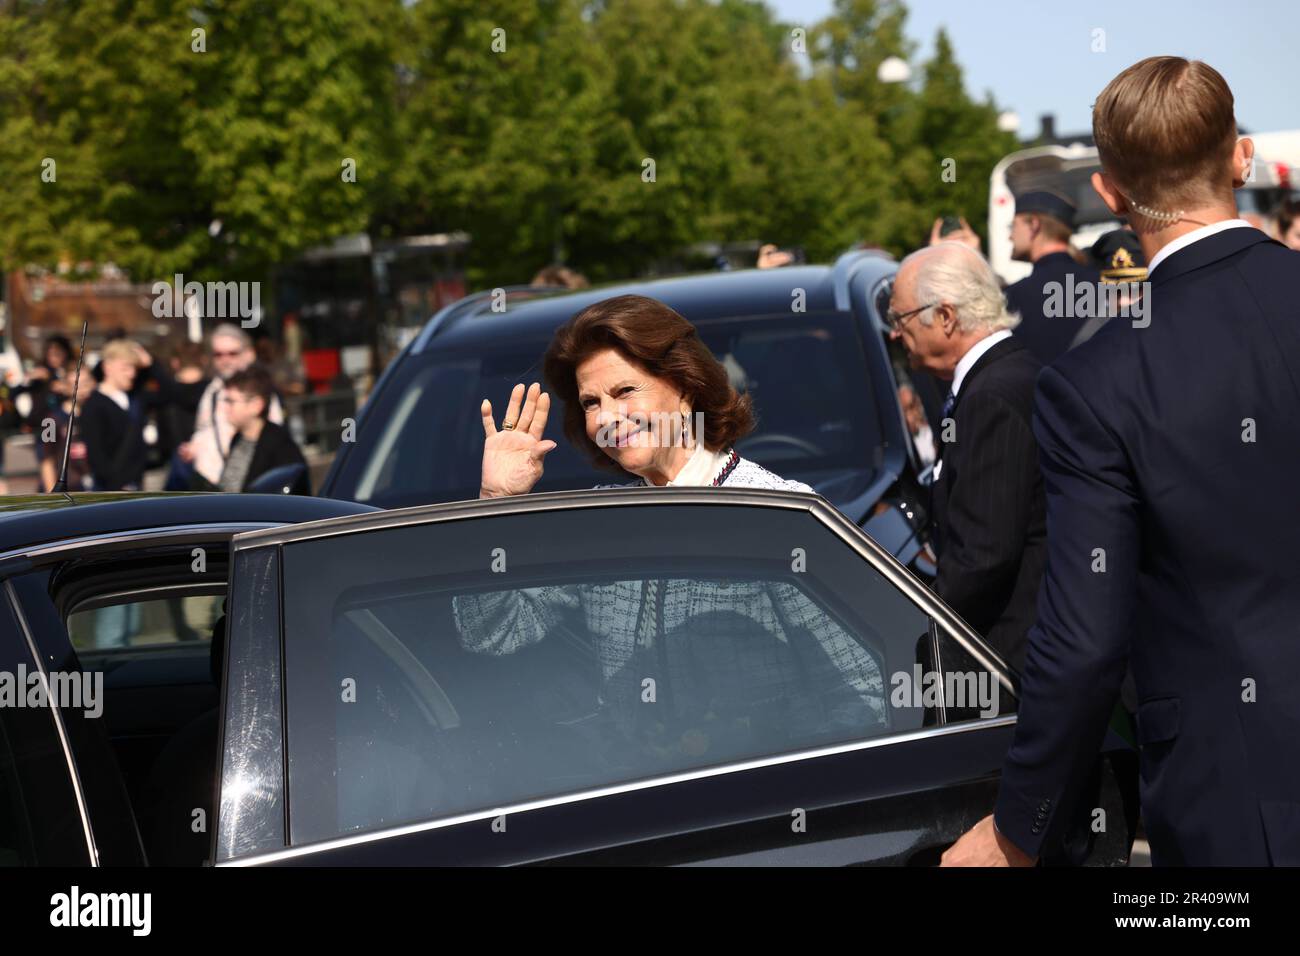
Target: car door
x: 43, y: 815
x: 626, y: 676
x: 98, y: 613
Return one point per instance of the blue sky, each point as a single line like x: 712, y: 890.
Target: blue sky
x: 1036, y: 57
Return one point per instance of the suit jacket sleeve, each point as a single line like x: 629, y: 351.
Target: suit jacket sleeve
x: 988, y: 508
x: 1078, y: 650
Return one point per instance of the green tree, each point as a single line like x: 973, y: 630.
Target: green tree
x: 164, y: 118
x: 527, y: 123
x: 961, y: 136
x: 920, y: 127
x: 506, y: 112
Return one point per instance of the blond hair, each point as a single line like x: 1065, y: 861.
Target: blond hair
x: 123, y: 349
x: 1165, y: 133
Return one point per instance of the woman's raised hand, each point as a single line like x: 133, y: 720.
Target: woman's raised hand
x: 512, y: 455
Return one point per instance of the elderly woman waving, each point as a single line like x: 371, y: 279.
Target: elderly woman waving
x: 642, y: 393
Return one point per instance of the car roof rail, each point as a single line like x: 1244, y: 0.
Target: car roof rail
x: 469, y: 305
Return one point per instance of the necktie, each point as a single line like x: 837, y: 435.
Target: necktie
x: 949, y: 404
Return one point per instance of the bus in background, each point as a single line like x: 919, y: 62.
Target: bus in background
x: 1067, y: 169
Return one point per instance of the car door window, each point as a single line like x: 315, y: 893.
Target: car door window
x: 470, y: 664
x: 113, y: 623
x: 971, y: 690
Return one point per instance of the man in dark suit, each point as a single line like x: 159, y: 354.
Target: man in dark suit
x: 1040, y: 233
x: 987, y: 502
x: 1169, y: 450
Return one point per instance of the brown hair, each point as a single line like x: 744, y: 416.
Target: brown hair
x: 188, y: 355
x: 1165, y: 132
x: 560, y: 277
x: 648, y: 334
x: 1052, y: 227
x: 255, y: 382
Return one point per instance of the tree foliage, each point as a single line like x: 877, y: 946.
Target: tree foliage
x: 530, y: 124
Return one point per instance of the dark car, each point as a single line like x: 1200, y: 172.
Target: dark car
x: 692, y: 676
x: 128, y: 587
x: 807, y: 342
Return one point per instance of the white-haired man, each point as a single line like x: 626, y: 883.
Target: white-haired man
x: 987, y: 502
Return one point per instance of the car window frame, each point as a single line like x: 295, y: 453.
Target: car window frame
x: 262, y: 691
x: 31, y: 656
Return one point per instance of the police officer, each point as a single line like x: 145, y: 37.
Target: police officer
x: 1040, y: 233
x: 1119, y: 256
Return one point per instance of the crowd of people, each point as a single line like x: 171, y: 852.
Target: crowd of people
x: 213, y: 417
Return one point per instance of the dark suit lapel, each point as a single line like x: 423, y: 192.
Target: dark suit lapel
x: 1207, y: 251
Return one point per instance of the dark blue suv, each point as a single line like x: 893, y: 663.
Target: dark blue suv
x: 807, y: 342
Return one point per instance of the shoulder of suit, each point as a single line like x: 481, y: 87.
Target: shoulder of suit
x: 1008, y: 359
x: 1006, y: 386
x: 1100, y: 365
x: 1017, y: 287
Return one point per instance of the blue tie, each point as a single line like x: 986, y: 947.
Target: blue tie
x: 949, y: 404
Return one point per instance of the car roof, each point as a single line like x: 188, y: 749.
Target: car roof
x: 30, y: 520
x: 537, y: 313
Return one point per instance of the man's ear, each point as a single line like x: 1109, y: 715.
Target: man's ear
x: 947, y: 318
x: 1109, y: 194
x: 1243, y: 155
